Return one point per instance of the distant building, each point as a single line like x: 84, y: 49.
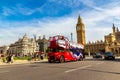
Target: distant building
x: 24, y: 46
x: 112, y: 41
x: 4, y: 50
x: 95, y: 47
x: 43, y: 44
x: 80, y: 30
x: 90, y: 47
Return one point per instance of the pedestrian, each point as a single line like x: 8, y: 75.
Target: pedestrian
x: 12, y: 58
x: 81, y: 54
x: 41, y: 57
x: 8, y: 58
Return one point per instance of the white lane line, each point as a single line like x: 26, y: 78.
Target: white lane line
x: 4, y: 71
x: 83, y: 67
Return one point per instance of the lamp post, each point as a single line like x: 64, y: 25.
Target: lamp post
x: 71, y: 36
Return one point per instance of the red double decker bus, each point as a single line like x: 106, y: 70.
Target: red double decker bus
x: 62, y: 50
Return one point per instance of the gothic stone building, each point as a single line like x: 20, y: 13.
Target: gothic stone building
x: 80, y: 30
x: 26, y: 46
x: 23, y: 46
x: 95, y: 47
x: 43, y: 44
x: 89, y: 47
x: 4, y: 50
x: 112, y: 41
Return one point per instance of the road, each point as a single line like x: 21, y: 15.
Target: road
x: 89, y: 69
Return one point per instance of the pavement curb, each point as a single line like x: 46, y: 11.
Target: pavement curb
x: 22, y: 62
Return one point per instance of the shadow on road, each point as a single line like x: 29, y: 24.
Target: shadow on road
x: 91, y: 59
x: 102, y: 71
x: 95, y: 59
x: 57, y: 62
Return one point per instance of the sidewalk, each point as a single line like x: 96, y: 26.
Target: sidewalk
x: 88, y: 57
x: 21, y: 62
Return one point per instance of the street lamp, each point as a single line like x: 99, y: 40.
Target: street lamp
x: 71, y: 36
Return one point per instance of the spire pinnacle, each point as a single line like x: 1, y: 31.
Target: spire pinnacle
x: 113, y: 25
x: 79, y: 19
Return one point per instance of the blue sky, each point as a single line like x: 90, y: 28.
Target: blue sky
x: 56, y: 17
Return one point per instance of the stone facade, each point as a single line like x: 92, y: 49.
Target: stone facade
x: 4, y: 50
x: 80, y: 30
x: 43, y: 44
x: 90, y: 47
x: 112, y: 41
x: 95, y: 47
x: 24, y: 46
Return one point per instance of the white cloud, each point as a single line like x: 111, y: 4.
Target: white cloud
x: 7, y: 11
x: 61, y: 26
x: 24, y: 10
x: 99, y: 22
x: 69, y: 3
x: 18, y: 9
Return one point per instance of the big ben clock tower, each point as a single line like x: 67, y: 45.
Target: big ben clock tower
x: 80, y: 30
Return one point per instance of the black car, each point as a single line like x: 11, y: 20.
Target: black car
x: 109, y: 55
x: 97, y: 55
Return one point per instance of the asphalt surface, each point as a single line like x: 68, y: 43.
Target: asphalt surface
x: 89, y: 69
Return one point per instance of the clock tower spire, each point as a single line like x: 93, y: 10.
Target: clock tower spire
x: 80, y: 30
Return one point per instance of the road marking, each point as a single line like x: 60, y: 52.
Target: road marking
x: 4, y: 71
x: 83, y: 67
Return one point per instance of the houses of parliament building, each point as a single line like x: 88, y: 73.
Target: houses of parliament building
x: 27, y: 45
x: 111, y: 41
